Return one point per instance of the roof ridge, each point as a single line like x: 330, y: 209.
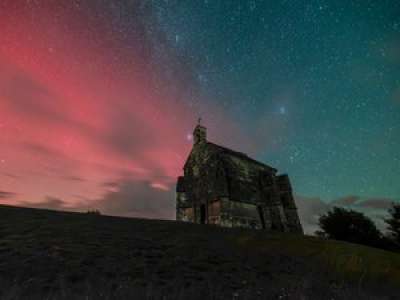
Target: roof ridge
x: 226, y: 148
x: 240, y: 154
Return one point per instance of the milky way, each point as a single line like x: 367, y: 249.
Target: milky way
x: 98, y: 98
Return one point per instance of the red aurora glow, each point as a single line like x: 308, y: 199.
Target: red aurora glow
x: 79, y: 110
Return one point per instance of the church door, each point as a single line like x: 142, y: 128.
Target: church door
x: 261, y: 214
x: 203, y: 214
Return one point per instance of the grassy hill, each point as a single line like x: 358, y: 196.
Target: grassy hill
x: 58, y: 255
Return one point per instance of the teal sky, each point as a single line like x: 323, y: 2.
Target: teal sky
x: 325, y: 75
x: 99, y: 98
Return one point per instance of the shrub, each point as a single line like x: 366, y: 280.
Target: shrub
x: 93, y: 212
x: 393, y: 223
x: 350, y: 226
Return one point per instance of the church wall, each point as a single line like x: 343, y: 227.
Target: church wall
x: 278, y: 218
x: 184, y: 210
x: 239, y: 214
x: 214, y: 212
x: 267, y: 217
x: 293, y: 220
x: 202, y: 184
x: 289, y: 206
x: 245, y: 180
x: 245, y: 188
x: 185, y: 214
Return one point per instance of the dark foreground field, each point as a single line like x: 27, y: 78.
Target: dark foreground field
x: 58, y: 255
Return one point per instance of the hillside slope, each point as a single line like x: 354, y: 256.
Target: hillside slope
x: 58, y: 255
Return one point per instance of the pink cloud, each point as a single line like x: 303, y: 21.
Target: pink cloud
x: 68, y: 109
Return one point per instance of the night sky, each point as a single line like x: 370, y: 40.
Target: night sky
x: 98, y: 99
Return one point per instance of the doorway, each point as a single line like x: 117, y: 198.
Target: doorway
x: 261, y: 214
x: 203, y: 214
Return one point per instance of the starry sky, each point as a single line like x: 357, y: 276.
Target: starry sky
x: 98, y: 99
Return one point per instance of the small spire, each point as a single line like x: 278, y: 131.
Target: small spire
x: 200, y: 133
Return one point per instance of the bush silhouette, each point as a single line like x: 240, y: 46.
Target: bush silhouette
x: 95, y: 212
x: 393, y: 223
x: 350, y: 226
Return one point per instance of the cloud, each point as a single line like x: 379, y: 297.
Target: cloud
x: 25, y: 95
x: 368, y: 203
x: 42, y: 150
x: 68, y: 125
x: 376, y: 203
x: 110, y: 184
x: 74, y: 178
x: 10, y: 175
x: 310, y: 209
x: 396, y: 96
x: 345, y: 201
x: 137, y: 199
x: 128, y: 133
x: 7, y: 195
x: 33, y: 99
x: 391, y: 51
x: 48, y: 203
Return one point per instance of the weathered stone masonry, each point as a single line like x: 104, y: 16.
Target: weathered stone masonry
x: 227, y: 188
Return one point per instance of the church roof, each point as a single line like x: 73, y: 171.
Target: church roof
x: 239, y: 155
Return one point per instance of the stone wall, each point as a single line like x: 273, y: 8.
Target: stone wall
x: 230, y: 189
x: 186, y: 215
x: 214, y: 212
x: 293, y: 221
x: 239, y: 214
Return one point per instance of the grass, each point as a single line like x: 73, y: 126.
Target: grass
x: 345, y: 260
x: 59, y: 255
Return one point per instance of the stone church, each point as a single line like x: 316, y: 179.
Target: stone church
x: 228, y: 188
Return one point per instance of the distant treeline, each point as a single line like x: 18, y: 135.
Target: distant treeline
x: 352, y: 226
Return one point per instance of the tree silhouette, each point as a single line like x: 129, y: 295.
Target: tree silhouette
x: 394, y: 222
x: 350, y: 226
